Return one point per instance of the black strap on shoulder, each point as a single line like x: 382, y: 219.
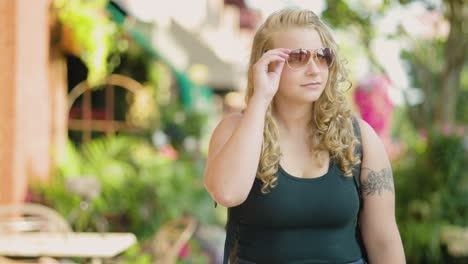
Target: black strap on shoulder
x: 357, y: 182
x: 358, y: 151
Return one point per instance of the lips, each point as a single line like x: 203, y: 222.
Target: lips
x: 311, y: 84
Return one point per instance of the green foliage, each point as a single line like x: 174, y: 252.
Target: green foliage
x: 425, y: 75
x: 462, y: 106
x: 358, y: 17
x: 180, y: 124
x: 93, y: 33
x: 195, y: 255
x: 134, y: 255
x: 432, y: 186
x: 140, y: 188
x: 340, y: 14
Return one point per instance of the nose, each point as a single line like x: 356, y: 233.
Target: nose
x: 312, y: 67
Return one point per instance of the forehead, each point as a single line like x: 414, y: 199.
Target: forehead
x: 295, y: 38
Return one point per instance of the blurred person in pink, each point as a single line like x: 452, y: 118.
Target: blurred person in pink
x: 376, y: 108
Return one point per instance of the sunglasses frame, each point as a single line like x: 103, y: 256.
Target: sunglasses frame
x: 313, y: 53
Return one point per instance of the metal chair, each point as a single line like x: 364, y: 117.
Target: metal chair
x: 28, y: 217
x: 171, y: 238
x: 42, y: 260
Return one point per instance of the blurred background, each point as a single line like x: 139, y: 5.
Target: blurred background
x: 107, y: 108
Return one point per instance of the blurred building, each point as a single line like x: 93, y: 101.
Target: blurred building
x: 32, y: 104
x: 208, y: 40
x: 213, y: 33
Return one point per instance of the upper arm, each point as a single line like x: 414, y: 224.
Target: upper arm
x: 377, y: 217
x: 376, y: 173
x: 221, y: 134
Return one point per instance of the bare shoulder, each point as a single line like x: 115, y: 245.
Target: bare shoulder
x: 376, y: 173
x: 370, y: 140
x: 223, y: 132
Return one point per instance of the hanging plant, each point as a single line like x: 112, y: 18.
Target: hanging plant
x: 87, y: 32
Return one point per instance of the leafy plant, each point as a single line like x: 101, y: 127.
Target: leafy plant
x: 134, y: 255
x: 432, y: 186
x: 140, y: 187
x: 90, y: 34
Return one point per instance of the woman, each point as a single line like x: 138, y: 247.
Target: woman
x: 284, y: 167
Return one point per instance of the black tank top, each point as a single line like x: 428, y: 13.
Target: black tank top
x: 300, y: 220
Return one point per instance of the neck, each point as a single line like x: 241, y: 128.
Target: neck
x: 293, y: 119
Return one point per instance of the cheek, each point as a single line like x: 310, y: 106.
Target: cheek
x: 288, y: 78
x: 325, y: 75
x: 283, y: 84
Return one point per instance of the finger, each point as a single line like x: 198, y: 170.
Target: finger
x: 268, y: 57
x: 280, y: 52
x: 266, y: 60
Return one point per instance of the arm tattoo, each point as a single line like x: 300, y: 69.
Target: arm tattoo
x: 378, y: 181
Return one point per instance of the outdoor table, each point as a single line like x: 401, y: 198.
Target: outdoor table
x: 70, y: 244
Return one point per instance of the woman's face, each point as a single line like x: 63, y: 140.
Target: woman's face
x: 302, y: 84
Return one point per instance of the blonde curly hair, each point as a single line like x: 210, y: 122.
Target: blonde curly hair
x: 331, y: 124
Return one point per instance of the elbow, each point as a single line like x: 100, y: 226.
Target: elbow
x: 228, y: 200
x: 224, y: 198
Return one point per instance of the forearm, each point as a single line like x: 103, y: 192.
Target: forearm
x: 230, y: 175
x: 387, y: 252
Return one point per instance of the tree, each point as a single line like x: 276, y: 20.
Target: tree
x: 441, y: 83
x: 456, y: 53
x: 360, y: 19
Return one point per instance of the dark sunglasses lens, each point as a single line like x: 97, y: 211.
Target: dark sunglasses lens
x: 298, y: 58
x: 320, y: 59
x: 327, y: 55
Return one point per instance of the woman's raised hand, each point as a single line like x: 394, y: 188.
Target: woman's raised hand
x: 265, y: 77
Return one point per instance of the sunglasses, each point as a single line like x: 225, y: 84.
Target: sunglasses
x: 298, y: 58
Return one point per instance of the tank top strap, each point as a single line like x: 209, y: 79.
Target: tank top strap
x: 357, y: 180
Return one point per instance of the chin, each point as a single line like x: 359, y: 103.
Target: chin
x: 311, y: 100
x: 311, y: 96
x: 300, y: 96
x: 307, y: 99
